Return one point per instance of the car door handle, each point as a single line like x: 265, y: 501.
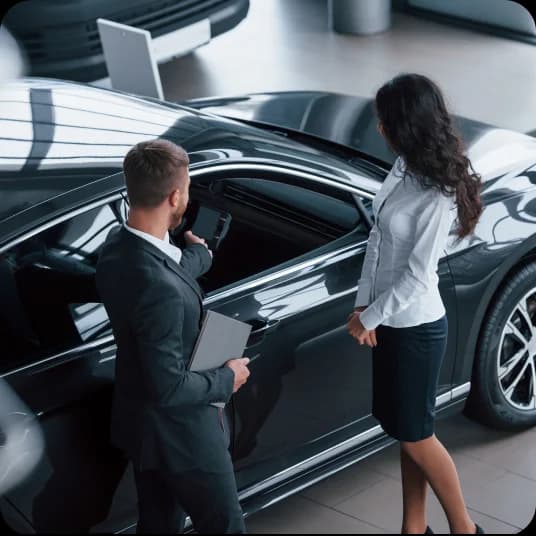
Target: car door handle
x: 260, y: 332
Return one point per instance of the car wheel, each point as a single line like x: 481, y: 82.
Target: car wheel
x: 503, y: 388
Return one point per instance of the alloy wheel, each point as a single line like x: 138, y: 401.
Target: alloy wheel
x: 516, y: 355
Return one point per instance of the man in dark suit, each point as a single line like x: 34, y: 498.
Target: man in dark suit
x: 162, y: 415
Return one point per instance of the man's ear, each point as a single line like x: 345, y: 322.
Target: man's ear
x: 174, y: 198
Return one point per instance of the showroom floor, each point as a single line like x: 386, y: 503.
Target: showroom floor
x: 286, y: 45
x: 497, y: 472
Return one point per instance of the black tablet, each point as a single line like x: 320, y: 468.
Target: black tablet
x: 212, y: 225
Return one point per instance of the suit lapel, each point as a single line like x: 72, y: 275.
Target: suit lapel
x: 184, y: 275
x: 167, y: 261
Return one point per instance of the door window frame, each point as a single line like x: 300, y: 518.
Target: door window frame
x: 293, y: 177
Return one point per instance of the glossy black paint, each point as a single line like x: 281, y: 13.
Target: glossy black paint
x: 309, y: 390
x: 346, y: 120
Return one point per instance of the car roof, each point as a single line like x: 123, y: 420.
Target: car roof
x: 58, y: 136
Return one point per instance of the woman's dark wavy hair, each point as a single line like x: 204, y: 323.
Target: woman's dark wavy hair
x: 417, y: 126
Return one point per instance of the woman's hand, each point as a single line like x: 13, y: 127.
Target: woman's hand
x: 358, y: 331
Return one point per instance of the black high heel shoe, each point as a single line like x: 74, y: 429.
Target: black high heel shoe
x: 479, y: 529
x: 428, y: 530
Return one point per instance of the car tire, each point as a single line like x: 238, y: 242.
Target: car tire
x: 504, y: 373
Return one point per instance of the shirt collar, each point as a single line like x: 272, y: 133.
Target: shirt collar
x: 164, y: 245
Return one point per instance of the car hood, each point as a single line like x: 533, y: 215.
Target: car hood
x: 351, y: 121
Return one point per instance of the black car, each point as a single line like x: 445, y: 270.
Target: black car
x: 297, y: 174
x: 61, y: 39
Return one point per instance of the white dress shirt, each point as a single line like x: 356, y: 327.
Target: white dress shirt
x: 164, y: 245
x: 399, y: 281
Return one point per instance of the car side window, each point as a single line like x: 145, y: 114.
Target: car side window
x: 329, y: 215
x: 272, y: 223
x: 50, y: 301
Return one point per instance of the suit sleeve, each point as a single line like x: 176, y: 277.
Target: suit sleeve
x: 157, y: 327
x: 365, y: 281
x: 431, y: 231
x: 196, y: 260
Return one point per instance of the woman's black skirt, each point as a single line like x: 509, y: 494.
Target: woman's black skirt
x: 405, y: 370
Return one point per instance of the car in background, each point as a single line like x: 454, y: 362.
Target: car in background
x: 61, y: 38
x: 297, y: 173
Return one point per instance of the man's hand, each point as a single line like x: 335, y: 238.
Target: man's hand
x: 241, y: 371
x: 358, y: 331
x: 191, y: 239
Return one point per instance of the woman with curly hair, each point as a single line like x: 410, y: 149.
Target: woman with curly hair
x: 398, y: 310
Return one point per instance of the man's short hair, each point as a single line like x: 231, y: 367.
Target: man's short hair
x: 150, y: 169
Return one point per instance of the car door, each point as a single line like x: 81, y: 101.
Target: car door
x: 310, y: 382
x: 61, y: 364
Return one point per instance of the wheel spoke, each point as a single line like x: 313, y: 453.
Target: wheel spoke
x: 510, y: 391
x: 515, y: 331
x: 533, y: 367
x: 522, y: 308
x: 505, y: 369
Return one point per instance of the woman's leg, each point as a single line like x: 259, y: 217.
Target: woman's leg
x: 414, y: 487
x: 437, y: 465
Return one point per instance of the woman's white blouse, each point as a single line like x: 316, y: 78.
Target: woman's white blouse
x: 399, y: 281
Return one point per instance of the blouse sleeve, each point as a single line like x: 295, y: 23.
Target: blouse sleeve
x: 365, y: 281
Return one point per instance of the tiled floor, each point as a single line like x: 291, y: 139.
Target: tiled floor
x: 285, y: 45
x: 496, y: 472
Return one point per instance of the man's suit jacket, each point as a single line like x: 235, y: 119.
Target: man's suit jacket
x: 161, y: 414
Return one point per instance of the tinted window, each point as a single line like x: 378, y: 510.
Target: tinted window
x: 326, y: 210
x: 274, y: 223
x: 49, y: 298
